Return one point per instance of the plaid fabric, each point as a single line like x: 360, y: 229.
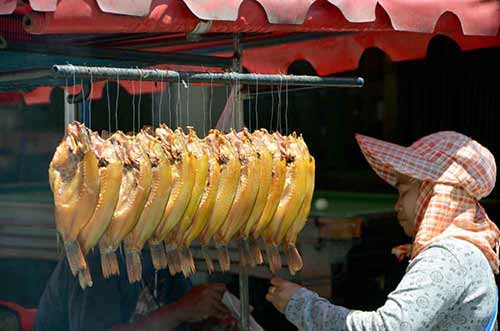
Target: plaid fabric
x: 456, y: 172
x: 146, y: 304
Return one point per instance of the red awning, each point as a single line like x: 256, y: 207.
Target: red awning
x: 342, y: 53
x: 41, y: 95
x: 10, y: 98
x: 400, y: 28
x: 476, y: 17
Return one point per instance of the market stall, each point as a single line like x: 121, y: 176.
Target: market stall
x: 198, y: 35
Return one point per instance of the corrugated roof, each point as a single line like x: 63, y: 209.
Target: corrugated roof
x: 477, y: 17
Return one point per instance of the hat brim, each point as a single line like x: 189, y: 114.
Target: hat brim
x: 388, y: 159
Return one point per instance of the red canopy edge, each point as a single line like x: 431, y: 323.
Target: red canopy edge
x: 90, y: 16
x: 41, y: 94
x: 346, y: 50
x: 10, y: 98
x: 342, y: 53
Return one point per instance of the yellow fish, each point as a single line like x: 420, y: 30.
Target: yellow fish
x: 161, y: 184
x: 134, y: 192
x: 182, y: 168
x: 74, y: 180
x: 110, y: 176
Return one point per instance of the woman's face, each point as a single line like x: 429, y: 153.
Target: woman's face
x: 407, y: 202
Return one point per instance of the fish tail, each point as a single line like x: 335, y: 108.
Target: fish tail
x: 85, y: 278
x: 74, y: 253
x: 294, y: 259
x: 208, y: 260
x: 224, y: 258
x: 158, y: 255
x: 109, y: 263
x: 134, y: 265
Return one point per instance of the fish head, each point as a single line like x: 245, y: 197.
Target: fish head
x: 176, y: 143
x: 270, y: 142
x: 64, y: 156
x: 104, y: 150
x: 245, y: 134
x: 71, y: 150
x: 121, y: 144
x: 136, y: 153
x: 284, y: 145
x: 242, y: 145
x: 80, y: 140
x: 194, y: 143
x: 222, y: 147
x: 152, y: 146
x: 161, y: 134
x: 303, y: 146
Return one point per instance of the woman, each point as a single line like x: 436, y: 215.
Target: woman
x: 449, y: 283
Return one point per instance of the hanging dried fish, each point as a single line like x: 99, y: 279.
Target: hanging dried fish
x: 161, y: 184
x: 110, y: 176
x: 134, y: 192
x: 74, y: 180
x: 182, y: 169
x: 230, y: 168
x: 293, y: 194
x: 173, y: 188
x: 293, y: 256
x: 202, y: 214
x: 244, y: 198
x: 250, y: 251
x: 201, y: 167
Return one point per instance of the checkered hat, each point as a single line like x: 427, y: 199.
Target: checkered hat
x: 456, y: 172
x: 445, y: 157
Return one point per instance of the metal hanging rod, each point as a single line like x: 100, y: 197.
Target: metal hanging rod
x: 66, y: 71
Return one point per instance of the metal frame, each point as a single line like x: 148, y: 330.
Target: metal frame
x: 243, y: 274
x: 66, y: 71
x: 113, y: 54
x: 234, y: 78
x: 96, y: 73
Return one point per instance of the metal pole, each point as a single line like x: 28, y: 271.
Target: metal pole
x: 22, y: 75
x: 244, y: 300
x: 63, y: 71
x: 237, y: 115
x: 237, y: 67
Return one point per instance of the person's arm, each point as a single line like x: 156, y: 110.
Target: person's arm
x: 166, y: 318
x: 65, y: 306
x: 432, y: 285
x: 52, y: 312
x: 200, y: 303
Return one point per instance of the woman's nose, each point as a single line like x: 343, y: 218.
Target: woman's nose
x: 397, y: 206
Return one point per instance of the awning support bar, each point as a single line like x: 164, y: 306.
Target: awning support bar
x: 96, y: 73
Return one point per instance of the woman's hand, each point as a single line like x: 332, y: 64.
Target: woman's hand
x: 281, y: 292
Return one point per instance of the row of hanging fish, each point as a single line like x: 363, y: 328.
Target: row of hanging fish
x: 168, y: 188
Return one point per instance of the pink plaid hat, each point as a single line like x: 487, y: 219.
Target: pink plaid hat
x: 444, y: 157
x: 456, y: 172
